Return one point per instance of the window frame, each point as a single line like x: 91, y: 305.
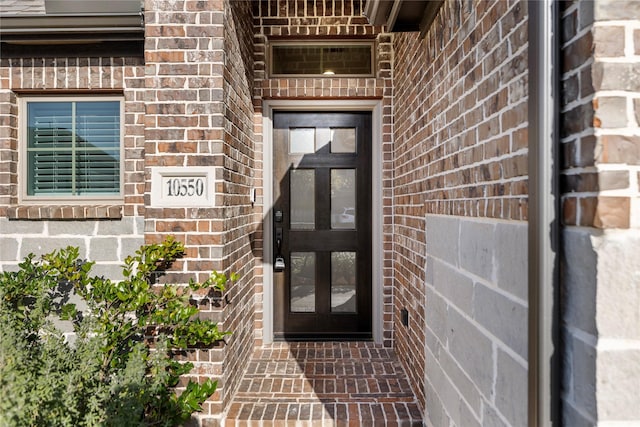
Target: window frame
x: 23, y: 158
x: 322, y: 43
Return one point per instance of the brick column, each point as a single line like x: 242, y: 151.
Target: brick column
x: 600, y: 134
x: 184, y: 126
x: 199, y: 77
x: 8, y: 140
x: 184, y: 122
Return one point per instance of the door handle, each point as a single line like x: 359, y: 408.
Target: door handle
x: 279, y: 264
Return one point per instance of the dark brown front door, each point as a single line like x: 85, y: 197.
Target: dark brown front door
x: 322, y: 225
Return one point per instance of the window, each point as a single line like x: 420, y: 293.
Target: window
x: 322, y: 59
x: 71, y: 148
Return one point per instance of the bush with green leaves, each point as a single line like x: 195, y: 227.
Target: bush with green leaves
x: 117, y: 369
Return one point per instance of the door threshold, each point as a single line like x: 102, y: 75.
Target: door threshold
x: 322, y: 338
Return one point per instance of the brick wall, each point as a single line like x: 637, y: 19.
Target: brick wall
x: 600, y: 136
x: 599, y: 125
x: 243, y: 218
x: 184, y: 125
x: 199, y: 113
x: 460, y: 161
x: 291, y: 20
x: 47, y: 223
x: 61, y: 75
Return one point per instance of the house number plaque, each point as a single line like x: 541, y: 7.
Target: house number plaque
x: 182, y: 187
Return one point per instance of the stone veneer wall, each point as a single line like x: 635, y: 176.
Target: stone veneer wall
x: 460, y: 211
x: 104, y: 233
x: 476, y: 315
x: 600, y: 144
x: 317, y: 19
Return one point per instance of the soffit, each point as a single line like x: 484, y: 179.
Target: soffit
x: 68, y: 21
x: 402, y: 15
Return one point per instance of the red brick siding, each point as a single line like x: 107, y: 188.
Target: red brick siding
x: 278, y: 20
x: 320, y: 18
x: 184, y: 122
x: 199, y: 113
x: 600, y: 125
x: 460, y: 139
x: 600, y: 190
x: 8, y: 139
x: 242, y: 219
x: 184, y: 126
x: 85, y: 75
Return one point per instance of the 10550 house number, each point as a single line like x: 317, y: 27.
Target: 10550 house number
x: 191, y: 186
x: 181, y: 187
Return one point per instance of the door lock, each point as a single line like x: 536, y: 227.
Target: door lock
x: 278, y: 264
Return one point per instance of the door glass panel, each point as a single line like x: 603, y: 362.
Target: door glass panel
x: 303, y: 282
x: 343, y: 198
x: 343, y: 282
x: 302, y: 140
x: 323, y: 138
x: 343, y: 140
x: 303, y: 205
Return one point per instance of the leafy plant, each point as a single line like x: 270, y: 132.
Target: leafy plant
x: 117, y: 369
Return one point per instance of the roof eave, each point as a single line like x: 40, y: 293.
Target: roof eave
x: 64, y: 28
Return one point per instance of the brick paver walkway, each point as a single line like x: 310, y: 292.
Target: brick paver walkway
x: 324, y: 384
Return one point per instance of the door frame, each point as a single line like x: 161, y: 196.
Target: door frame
x: 375, y: 107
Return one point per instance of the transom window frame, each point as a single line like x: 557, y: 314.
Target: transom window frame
x: 322, y: 43
x: 23, y: 159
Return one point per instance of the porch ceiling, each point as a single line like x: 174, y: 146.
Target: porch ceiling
x: 402, y: 15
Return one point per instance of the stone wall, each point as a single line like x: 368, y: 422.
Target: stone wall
x: 600, y: 136
x: 107, y: 242
x: 476, y: 316
x: 460, y: 161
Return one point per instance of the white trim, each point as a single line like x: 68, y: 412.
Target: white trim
x: 375, y: 106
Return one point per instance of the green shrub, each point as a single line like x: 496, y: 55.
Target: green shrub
x: 117, y: 368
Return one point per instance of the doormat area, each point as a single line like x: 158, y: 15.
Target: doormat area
x: 324, y: 384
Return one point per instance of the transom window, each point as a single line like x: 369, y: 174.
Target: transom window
x: 331, y: 58
x: 72, y: 148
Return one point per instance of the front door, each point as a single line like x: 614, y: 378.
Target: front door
x: 322, y: 225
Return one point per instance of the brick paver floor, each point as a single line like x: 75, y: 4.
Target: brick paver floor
x: 324, y: 384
